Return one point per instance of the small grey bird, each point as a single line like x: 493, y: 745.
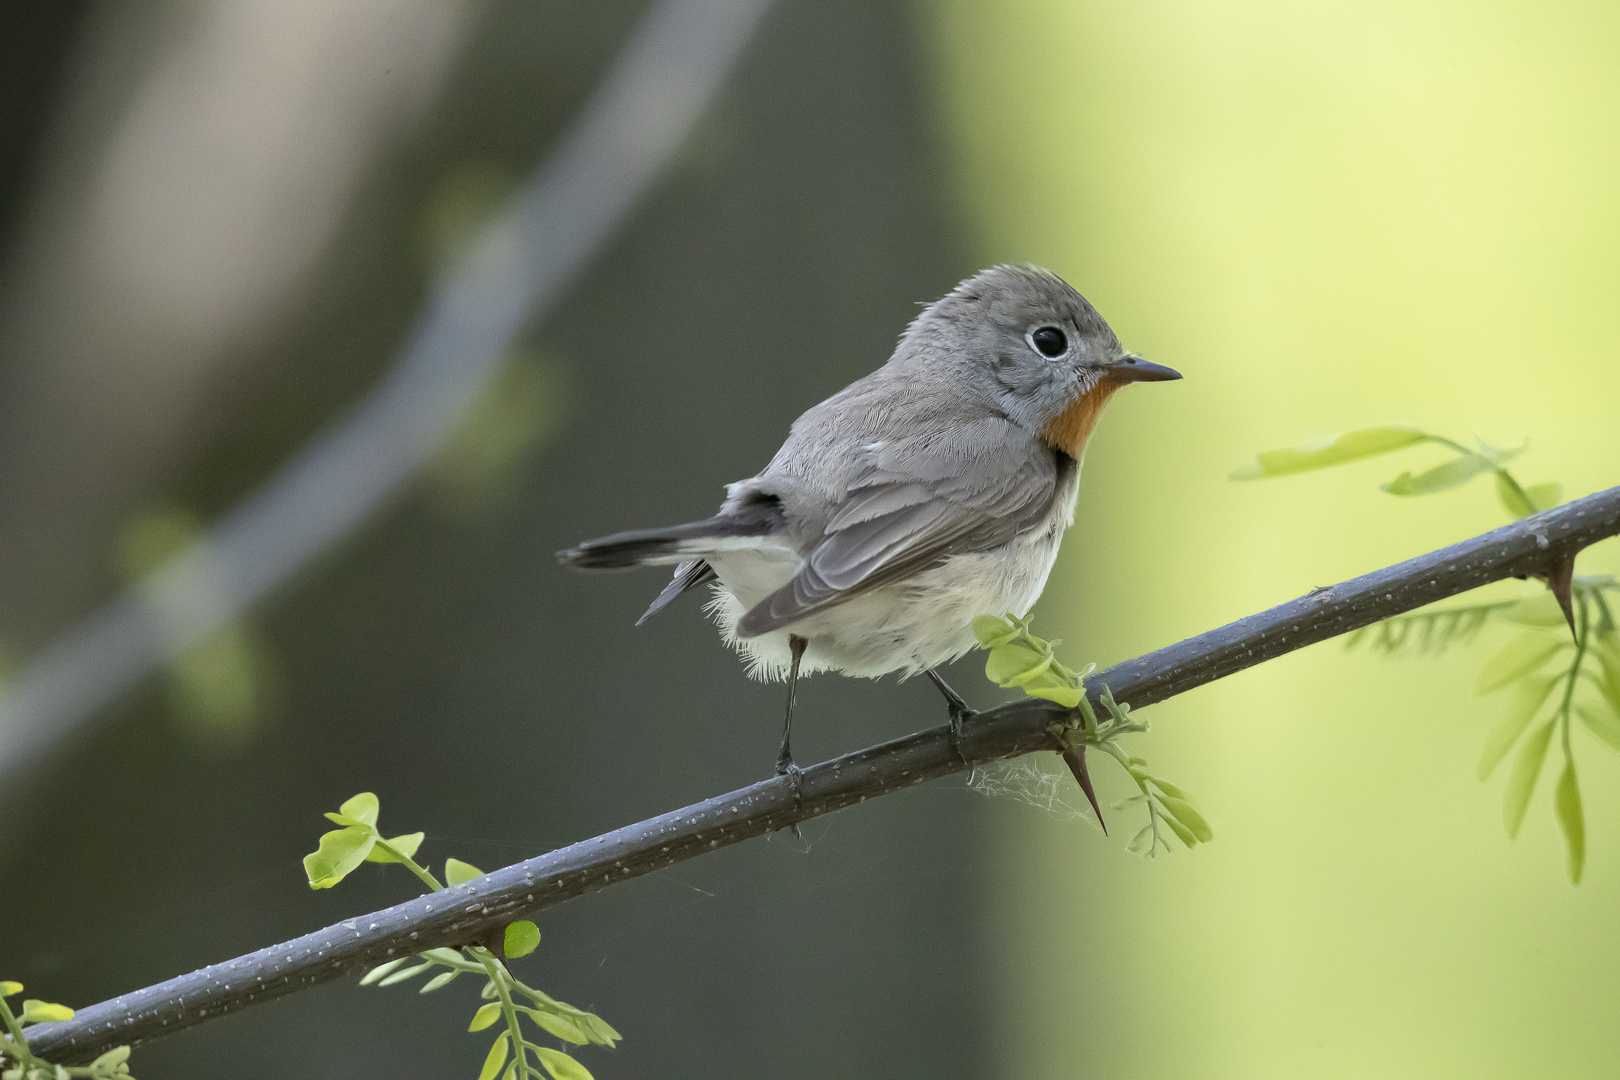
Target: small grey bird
x: 932, y: 491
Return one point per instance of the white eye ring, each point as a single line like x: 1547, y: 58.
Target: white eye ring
x: 1049, y: 341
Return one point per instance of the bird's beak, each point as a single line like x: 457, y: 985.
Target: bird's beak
x: 1134, y: 369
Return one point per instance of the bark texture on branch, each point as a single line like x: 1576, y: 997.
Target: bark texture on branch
x: 468, y: 913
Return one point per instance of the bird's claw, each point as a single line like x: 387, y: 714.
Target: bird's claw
x: 786, y: 767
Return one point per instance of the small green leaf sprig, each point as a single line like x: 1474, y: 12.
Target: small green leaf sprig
x: 20, y: 1064
x: 1573, y: 623
x: 1019, y: 659
x: 342, y: 850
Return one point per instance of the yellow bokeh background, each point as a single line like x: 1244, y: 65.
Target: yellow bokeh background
x: 1327, y: 216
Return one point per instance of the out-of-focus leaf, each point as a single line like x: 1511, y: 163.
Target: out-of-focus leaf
x: 217, y: 687
x: 560, y: 1065
x: 485, y: 1016
x: 496, y: 1058
x: 521, y: 938
x: 111, y: 1059
x: 381, y: 970
x: 1545, y: 496
x: 443, y: 956
x: 1602, y: 723
x: 407, y: 845
x: 1501, y: 455
x: 1522, y: 783
x: 1185, y: 813
x: 1527, y: 698
x: 7, y: 988
x: 362, y: 807
x: 1180, y: 830
x: 560, y: 1026
x: 1521, y: 656
x: 1335, y: 450
x: 1539, y: 610
x: 39, y: 1012
x: 1512, y: 501
x: 340, y: 852
x: 605, y: 1032
x: 1141, y: 841
x: 442, y: 979
x: 456, y: 871
x: 404, y: 974
x: 1607, y: 651
x: 1454, y: 473
x: 1567, y: 806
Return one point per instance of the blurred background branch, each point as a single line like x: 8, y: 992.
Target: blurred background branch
x: 472, y: 912
x: 637, y: 118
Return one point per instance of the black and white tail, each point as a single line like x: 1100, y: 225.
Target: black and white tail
x: 684, y: 545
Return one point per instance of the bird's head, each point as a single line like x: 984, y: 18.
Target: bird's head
x: 1034, y: 348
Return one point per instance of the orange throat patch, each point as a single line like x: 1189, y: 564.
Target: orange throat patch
x: 1069, y: 429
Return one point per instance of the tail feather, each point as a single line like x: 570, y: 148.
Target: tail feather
x: 678, y: 543
x: 688, y: 575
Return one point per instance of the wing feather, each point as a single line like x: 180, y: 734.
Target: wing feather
x: 898, y: 522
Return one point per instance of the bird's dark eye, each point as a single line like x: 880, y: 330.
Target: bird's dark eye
x: 1050, y: 341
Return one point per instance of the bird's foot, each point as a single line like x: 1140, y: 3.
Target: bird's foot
x: 960, y: 713
x: 786, y: 767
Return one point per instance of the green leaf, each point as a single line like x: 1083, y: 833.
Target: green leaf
x: 521, y: 938
x: 1512, y: 501
x: 560, y: 1026
x: 1454, y: 473
x: 111, y: 1059
x: 39, y: 1012
x: 1526, y: 771
x: 1498, y: 454
x: 605, y: 1033
x: 1184, y: 812
x: 1604, y: 725
x: 485, y: 1016
x: 380, y: 970
x: 443, y: 956
x: 443, y: 978
x: 456, y: 871
x: 992, y: 631
x: 1527, y: 699
x: 1521, y: 656
x: 1141, y: 842
x: 1019, y: 660
x: 1180, y: 830
x: 407, y: 845
x: 363, y: 807
x: 405, y: 973
x: 1607, y: 652
x: 7, y: 988
x: 340, y: 852
x: 1567, y: 806
x: 1335, y: 450
x: 496, y: 1058
x: 561, y: 1066
x: 1539, y: 610
x: 1545, y: 496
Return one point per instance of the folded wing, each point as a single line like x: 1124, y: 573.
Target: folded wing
x: 911, y: 510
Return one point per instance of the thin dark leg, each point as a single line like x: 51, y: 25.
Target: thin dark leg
x: 959, y: 712
x: 784, y: 760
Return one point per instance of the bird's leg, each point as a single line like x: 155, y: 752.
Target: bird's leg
x: 959, y: 712
x: 784, y: 760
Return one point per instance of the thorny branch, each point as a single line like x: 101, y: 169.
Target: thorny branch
x: 1537, y: 546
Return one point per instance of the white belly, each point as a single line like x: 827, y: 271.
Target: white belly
x: 907, y: 627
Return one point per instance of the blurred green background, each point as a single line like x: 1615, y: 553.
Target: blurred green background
x: 1326, y: 216
x: 218, y: 221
